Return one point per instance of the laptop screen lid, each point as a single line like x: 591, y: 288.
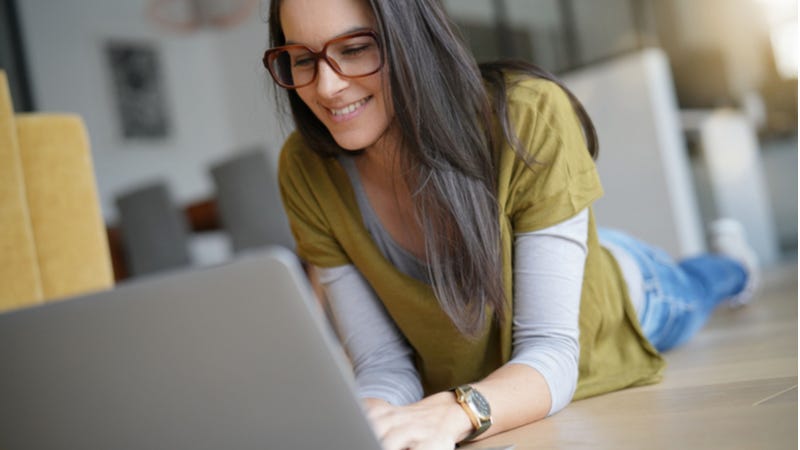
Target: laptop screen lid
x: 234, y: 356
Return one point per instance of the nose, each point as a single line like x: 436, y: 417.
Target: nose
x: 329, y: 83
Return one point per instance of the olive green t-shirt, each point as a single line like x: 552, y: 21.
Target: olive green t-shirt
x: 560, y: 181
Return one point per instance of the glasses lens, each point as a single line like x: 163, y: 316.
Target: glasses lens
x: 351, y: 56
x: 293, y: 66
x: 356, y: 56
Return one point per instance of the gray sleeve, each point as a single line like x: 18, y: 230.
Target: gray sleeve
x: 382, y: 360
x: 548, y: 277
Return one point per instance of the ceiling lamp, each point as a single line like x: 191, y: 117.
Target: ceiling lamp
x: 191, y: 15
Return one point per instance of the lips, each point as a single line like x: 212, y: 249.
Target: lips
x: 345, y: 111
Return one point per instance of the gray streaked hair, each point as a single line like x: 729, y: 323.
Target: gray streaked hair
x: 445, y: 115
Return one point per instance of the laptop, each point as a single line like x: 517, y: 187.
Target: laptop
x: 235, y: 356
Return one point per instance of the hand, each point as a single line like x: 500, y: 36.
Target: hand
x: 434, y: 423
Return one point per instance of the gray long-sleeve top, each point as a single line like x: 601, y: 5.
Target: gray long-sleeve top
x: 548, y: 275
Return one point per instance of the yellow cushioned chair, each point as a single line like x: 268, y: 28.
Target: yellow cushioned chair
x: 53, y: 242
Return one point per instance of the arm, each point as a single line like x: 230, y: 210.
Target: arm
x: 381, y: 358
x: 542, y: 375
x: 548, y: 274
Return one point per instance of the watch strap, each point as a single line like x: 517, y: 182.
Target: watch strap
x: 478, y: 431
x: 466, y: 398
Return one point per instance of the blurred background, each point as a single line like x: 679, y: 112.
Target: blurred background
x: 695, y: 102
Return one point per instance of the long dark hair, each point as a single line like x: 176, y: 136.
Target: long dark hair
x: 444, y: 107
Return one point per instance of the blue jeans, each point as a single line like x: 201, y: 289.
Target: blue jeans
x: 680, y: 296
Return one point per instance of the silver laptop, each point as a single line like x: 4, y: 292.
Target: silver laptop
x: 236, y: 356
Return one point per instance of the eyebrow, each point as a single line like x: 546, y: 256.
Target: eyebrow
x: 349, y: 31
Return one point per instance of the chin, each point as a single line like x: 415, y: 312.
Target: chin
x: 354, y: 143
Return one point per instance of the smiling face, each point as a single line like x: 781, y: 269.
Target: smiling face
x: 354, y: 110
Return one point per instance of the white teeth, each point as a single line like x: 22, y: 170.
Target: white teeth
x: 349, y: 108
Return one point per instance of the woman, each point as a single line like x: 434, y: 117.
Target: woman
x: 447, y: 211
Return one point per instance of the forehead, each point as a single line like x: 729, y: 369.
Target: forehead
x: 313, y: 22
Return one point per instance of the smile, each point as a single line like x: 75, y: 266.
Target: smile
x: 344, y: 113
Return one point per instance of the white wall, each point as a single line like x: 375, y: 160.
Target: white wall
x: 214, y: 88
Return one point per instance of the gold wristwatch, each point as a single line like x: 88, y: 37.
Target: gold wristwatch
x: 476, y: 407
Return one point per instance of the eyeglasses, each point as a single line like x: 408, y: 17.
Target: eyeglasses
x: 353, y: 55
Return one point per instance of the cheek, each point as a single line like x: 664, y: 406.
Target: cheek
x: 308, y: 96
x: 305, y: 95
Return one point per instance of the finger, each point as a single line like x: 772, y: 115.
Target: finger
x: 384, y: 422
x: 435, y: 444
x: 376, y: 411
x: 398, y: 439
x: 398, y: 442
x: 416, y: 437
x: 382, y: 418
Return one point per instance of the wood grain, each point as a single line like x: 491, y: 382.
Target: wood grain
x: 734, y: 386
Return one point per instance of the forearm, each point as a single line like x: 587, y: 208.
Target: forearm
x: 548, y: 278
x: 542, y: 375
x: 381, y: 359
x: 517, y: 393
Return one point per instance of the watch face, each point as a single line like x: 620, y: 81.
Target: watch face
x: 481, y: 404
x: 476, y: 407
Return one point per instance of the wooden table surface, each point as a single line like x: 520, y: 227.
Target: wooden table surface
x: 734, y: 386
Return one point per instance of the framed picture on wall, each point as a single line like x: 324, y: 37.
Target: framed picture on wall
x: 138, y: 88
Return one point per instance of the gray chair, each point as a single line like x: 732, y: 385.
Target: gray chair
x: 154, y: 233
x: 249, y: 202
